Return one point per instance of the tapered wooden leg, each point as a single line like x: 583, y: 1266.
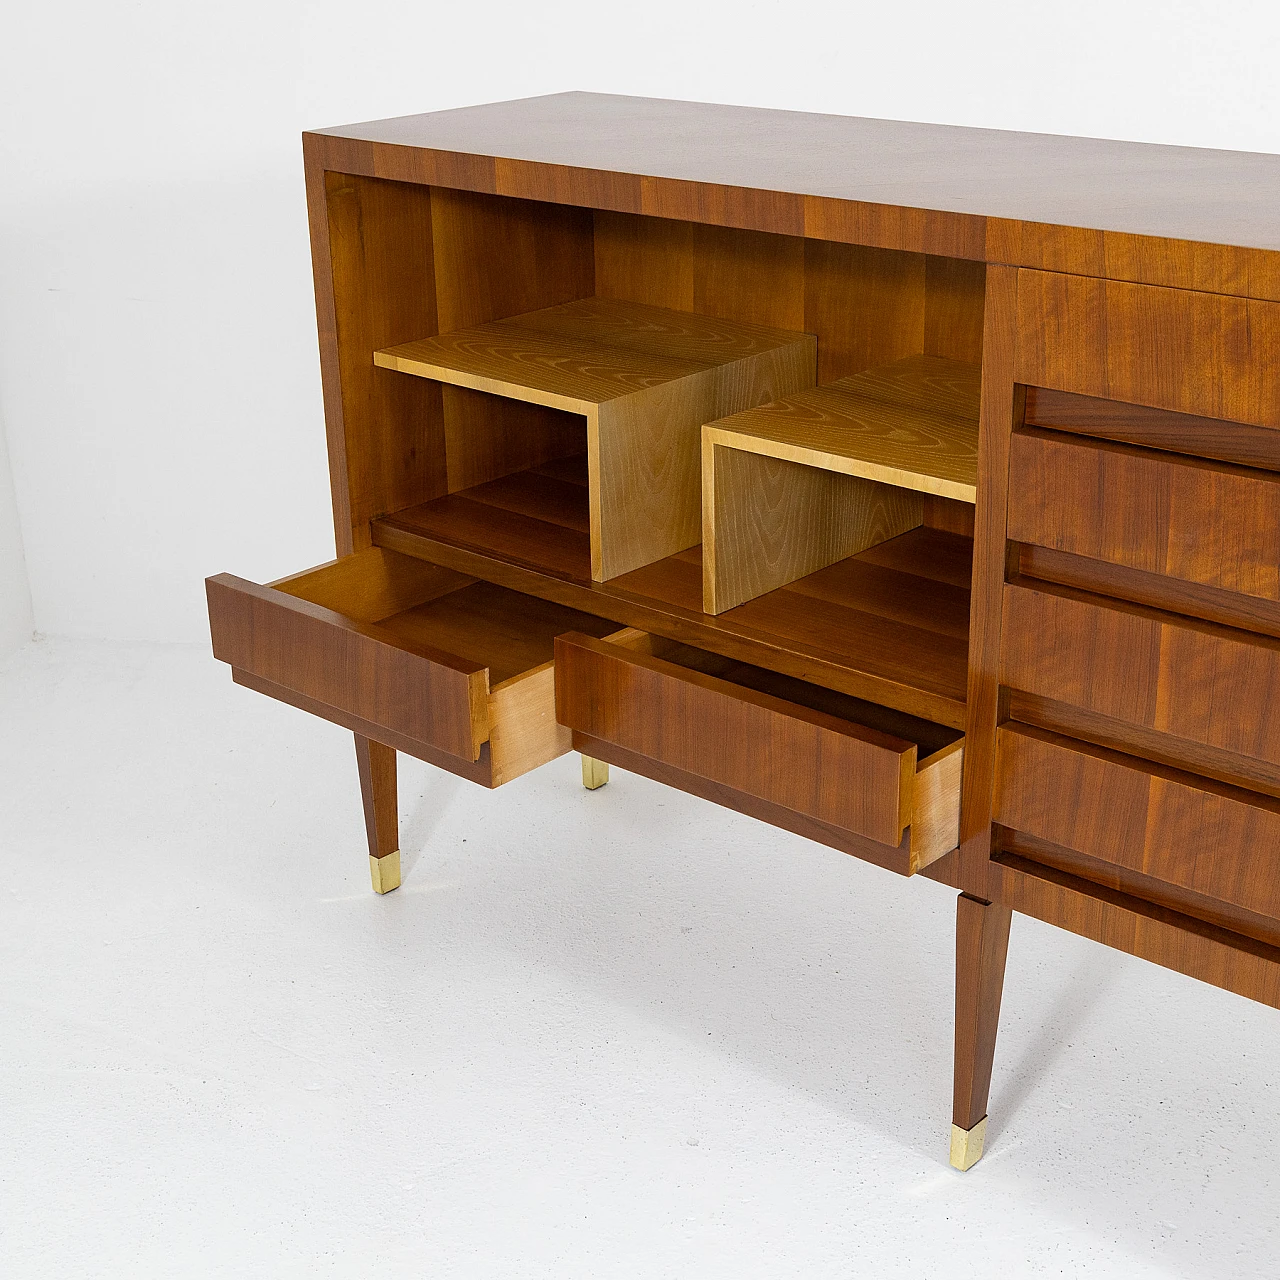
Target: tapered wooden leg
x: 381, y: 819
x: 595, y: 773
x: 982, y: 944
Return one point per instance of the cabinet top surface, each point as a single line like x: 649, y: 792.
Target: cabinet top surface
x: 1186, y: 193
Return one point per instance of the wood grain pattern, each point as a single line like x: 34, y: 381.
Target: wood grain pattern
x: 1072, y: 204
x: 431, y: 696
x: 815, y: 477
x: 872, y: 425
x: 498, y: 257
x: 1179, y: 677
x: 896, y: 860
x: 376, y: 765
x: 953, y: 297
x: 1205, y: 522
x: 411, y: 652
x: 1176, y: 941
x: 1093, y: 337
x: 1138, y: 740
x: 487, y: 437
x: 768, y: 521
x: 386, y: 441
x: 1154, y: 428
x: 523, y: 732
x: 866, y: 305
x: 546, y: 257
x: 645, y: 260
x: 372, y: 584
x: 479, y: 771
x: 1220, y: 842
x: 646, y: 489
x: 1001, y: 409
x: 1172, y: 261
x: 857, y: 780
x: 982, y: 945
x: 896, y: 638
x: 1137, y: 884
x: 949, y: 515
x: 935, y: 806
x: 749, y: 275
x: 645, y: 380
x: 661, y: 702
x: 1173, y: 595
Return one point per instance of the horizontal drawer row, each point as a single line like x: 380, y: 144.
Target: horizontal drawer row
x: 1216, y: 847
x: 490, y: 683
x: 1207, y: 523
x: 1210, y: 694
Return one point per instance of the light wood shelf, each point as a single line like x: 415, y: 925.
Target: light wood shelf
x: 645, y: 379
x: 812, y: 478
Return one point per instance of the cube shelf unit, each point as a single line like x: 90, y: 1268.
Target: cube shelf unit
x: 645, y: 379
x: 793, y: 486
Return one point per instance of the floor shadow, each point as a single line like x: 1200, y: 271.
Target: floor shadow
x: 1075, y: 1002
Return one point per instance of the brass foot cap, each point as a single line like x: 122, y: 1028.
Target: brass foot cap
x: 966, y: 1145
x: 595, y: 773
x: 385, y: 872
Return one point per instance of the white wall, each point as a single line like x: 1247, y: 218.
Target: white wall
x: 158, y: 369
x: 16, y: 621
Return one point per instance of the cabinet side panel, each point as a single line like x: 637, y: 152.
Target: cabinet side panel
x: 391, y: 427
x: 1001, y: 406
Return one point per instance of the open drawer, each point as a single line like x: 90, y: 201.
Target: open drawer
x: 860, y: 777
x: 451, y: 670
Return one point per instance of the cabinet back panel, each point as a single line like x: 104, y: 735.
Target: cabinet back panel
x: 867, y: 306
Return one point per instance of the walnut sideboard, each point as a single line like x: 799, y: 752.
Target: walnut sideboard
x: 915, y: 489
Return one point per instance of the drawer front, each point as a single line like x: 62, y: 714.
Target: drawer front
x: 1197, y: 353
x: 1216, y: 841
x: 1203, y: 522
x: 353, y: 667
x: 1196, y: 681
x: 857, y: 779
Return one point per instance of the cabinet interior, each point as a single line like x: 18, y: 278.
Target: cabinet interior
x: 497, y: 487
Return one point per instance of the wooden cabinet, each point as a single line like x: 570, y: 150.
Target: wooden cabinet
x: 916, y: 490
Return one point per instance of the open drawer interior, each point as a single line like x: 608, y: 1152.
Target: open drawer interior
x: 453, y: 670
x: 852, y: 768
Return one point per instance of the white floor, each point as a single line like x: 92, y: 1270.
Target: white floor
x: 610, y: 1034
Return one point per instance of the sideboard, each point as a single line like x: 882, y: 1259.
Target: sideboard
x: 915, y: 489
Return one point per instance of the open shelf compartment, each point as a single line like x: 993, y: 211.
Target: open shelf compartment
x: 813, y: 478
x: 642, y: 379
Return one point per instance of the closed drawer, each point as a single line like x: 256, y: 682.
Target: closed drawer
x: 1189, y: 680
x: 876, y: 774
x: 1204, y: 354
x: 1219, y: 842
x: 1208, y: 523
x: 430, y: 662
